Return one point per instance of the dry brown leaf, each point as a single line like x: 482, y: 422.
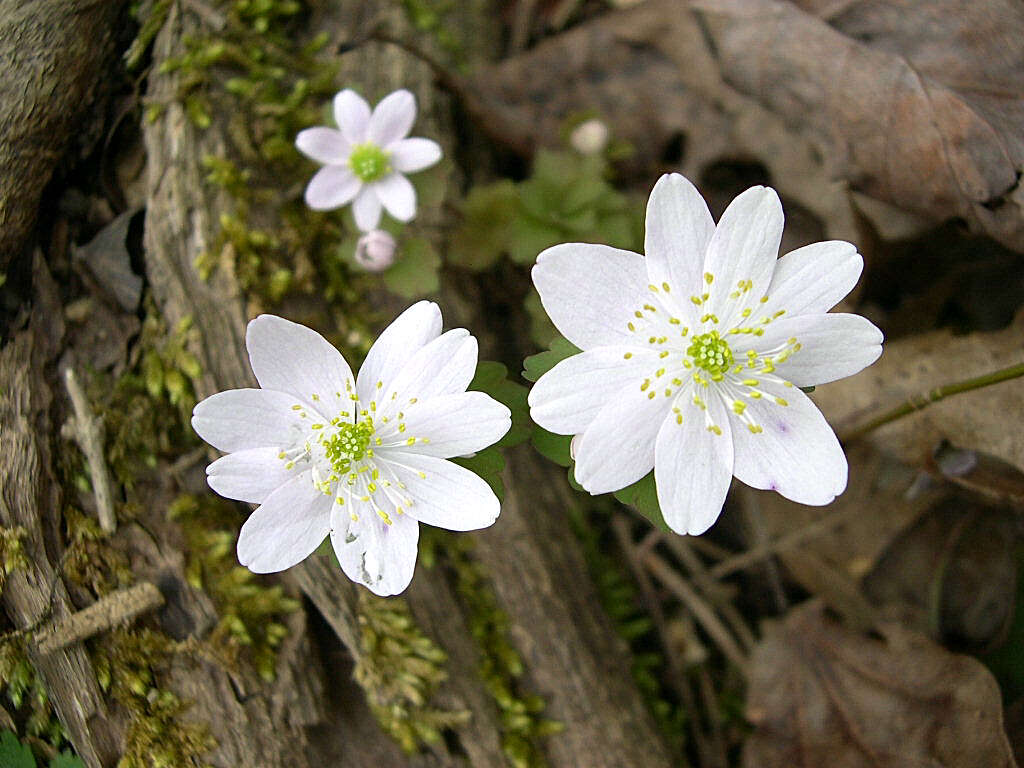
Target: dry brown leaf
x: 648, y: 72
x: 916, y: 102
x: 985, y: 420
x: 823, y: 695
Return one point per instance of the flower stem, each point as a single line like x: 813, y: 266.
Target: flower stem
x: 924, y: 399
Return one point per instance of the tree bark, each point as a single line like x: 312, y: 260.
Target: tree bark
x: 53, y: 55
x: 572, y: 654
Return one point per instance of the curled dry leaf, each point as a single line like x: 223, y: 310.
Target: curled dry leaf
x: 916, y: 102
x: 913, y: 102
x: 821, y: 694
x: 985, y: 420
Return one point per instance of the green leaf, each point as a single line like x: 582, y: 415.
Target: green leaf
x: 537, y: 365
x: 66, y: 760
x: 487, y: 213
x: 489, y: 464
x: 415, y: 272
x: 529, y: 236
x: 551, y: 446
x: 643, y: 497
x: 14, y: 754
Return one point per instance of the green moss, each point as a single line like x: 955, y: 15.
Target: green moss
x: 151, y: 18
x: 127, y: 662
x: 400, y: 669
x: 12, y: 552
x: 250, y: 627
x: 501, y: 668
x: 26, y: 696
x: 146, y: 411
x: 89, y: 560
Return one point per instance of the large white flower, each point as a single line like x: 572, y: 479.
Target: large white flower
x: 365, y: 161
x: 692, y: 357
x: 361, y: 459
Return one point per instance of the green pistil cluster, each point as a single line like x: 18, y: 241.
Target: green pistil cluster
x: 369, y: 162
x: 349, y: 444
x: 711, y: 352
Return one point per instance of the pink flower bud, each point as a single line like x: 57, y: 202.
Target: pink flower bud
x: 590, y: 137
x: 375, y: 251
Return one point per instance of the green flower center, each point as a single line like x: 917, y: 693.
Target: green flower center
x: 369, y: 162
x: 349, y: 444
x: 711, y: 352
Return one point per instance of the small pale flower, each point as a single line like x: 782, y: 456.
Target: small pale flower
x: 375, y: 251
x: 589, y: 137
x: 366, y: 158
x: 693, y: 356
x: 363, y: 458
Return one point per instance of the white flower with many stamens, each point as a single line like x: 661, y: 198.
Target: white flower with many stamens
x: 365, y: 158
x: 362, y: 459
x: 692, y: 357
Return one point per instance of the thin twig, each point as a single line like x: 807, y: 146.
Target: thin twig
x: 697, y: 606
x: 107, y: 612
x: 681, y: 682
x: 87, y: 431
x: 790, y: 540
x: 924, y: 399
x: 521, y: 24
x: 712, y: 589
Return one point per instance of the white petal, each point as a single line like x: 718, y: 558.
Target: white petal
x: 250, y: 475
x: 246, y: 418
x: 679, y: 228
x: 397, y: 195
x: 411, y: 155
x: 352, y: 114
x: 325, y: 145
x: 445, y: 366
x: 590, y: 292
x: 693, y: 465
x: 797, y: 454
x: 455, y: 425
x: 367, y: 208
x: 287, y: 528
x: 449, y: 496
x: 813, y: 279
x: 392, y: 118
x: 292, y: 358
x: 407, y: 334
x: 618, y: 447
x: 745, y: 246
x: 332, y: 187
x: 379, y: 556
x: 832, y: 346
x: 566, y: 399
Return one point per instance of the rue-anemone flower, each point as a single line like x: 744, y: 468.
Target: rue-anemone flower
x: 366, y: 158
x: 363, y: 458
x: 693, y: 356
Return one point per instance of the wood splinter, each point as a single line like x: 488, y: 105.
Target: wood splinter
x: 107, y: 612
x: 87, y: 431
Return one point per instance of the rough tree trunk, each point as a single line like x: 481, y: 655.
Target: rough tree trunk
x: 53, y: 54
x: 573, y: 657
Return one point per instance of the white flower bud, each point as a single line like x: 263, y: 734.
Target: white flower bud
x: 375, y: 251
x: 590, y: 137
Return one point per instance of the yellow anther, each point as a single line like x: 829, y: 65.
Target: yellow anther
x: 781, y: 401
x: 664, y: 287
x: 709, y: 278
x: 739, y: 407
x: 627, y: 356
x: 715, y: 428
x: 755, y: 429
